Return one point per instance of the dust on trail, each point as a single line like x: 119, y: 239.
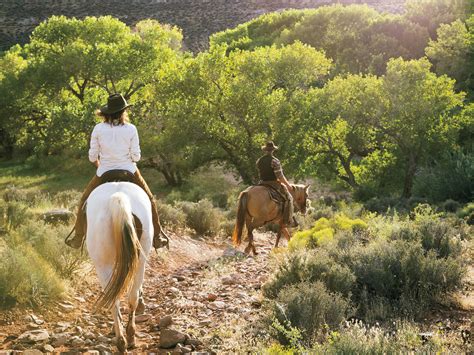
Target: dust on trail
x: 211, y: 291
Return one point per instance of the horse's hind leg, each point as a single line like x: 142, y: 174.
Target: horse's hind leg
x: 251, y: 245
x: 121, y: 344
x: 133, y: 302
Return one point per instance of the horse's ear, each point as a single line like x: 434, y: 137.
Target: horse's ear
x: 306, y: 188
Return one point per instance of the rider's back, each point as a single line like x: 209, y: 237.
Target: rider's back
x: 117, y: 145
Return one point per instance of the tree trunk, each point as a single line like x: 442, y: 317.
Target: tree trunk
x: 409, y: 176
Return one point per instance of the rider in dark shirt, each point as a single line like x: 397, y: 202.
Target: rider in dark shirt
x: 271, y: 174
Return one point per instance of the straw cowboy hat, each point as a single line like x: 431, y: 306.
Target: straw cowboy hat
x: 269, y: 147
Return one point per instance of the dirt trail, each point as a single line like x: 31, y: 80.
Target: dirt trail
x: 211, y: 291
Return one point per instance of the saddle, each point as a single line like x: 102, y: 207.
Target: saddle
x: 117, y: 175
x: 274, y: 189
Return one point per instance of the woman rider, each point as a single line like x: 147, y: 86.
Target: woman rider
x: 114, y: 150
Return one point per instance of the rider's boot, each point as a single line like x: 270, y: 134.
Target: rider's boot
x: 79, y: 233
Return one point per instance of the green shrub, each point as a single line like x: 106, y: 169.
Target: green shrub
x: 16, y: 213
x: 308, y: 307
x: 202, y: 216
x: 26, y: 278
x: 171, y: 215
x: 382, y: 204
x: 311, y: 266
x: 323, y: 231
x: 14, y: 194
x: 48, y: 242
x: 360, y: 339
x: 227, y: 227
x: 402, y: 273
x: 67, y: 199
x: 450, y: 177
x: 450, y: 206
x: 467, y: 213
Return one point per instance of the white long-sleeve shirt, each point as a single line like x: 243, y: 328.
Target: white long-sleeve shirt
x: 117, y: 147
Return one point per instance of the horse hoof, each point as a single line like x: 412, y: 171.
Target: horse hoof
x: 131, y: 343
x: 140, y: 307
x: 121, y: 344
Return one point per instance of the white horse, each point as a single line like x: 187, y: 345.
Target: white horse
x: 118, y: 253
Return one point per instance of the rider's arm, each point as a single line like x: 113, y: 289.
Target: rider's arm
x: 94, y: 147
x: 135, y: 152
x: 277, y: 169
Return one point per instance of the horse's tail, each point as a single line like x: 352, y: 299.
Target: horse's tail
x: 239, y: 223
x: 127, y: 250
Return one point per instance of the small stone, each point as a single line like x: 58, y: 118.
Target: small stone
x: 228, y: 280
x: 179, y: 277
x: 32, y: 352
x: 142, y: 318
x: 60, y: 339
x: 89, y: 335
x: 78, y: 329
x: 34, y: 336
x: 175, y: 291
x: 217, y: 305
x: 102, y: 339
x: 211, y: 297
x: 80, y: 299
x: 102, y: 348
x: 169, y: 338
x: 48, y: 348
x: 32, y: 325
x: 165, y: 321
x: 66, y: 307
x: 76, y: 341
x: 193, y: 342
x: 183, y: 349
x: 205, y: 322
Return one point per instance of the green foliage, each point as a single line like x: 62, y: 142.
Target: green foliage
x: 361, y: 339
x: 202, y: 216
x: 308, y: 307
x: 54, y: 83
x: 450, y: 176
x: 171, y: 215
x: 356, y: 37
x: 310, y: 266
x: 467, y: 212
x: 323, y: 231
x: 399, y: 268
x: 451, y: 52
x: 27, y: 279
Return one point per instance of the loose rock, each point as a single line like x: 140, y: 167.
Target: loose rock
x: 165, y: 321
x: 34, y: 336
x: 169, y: 338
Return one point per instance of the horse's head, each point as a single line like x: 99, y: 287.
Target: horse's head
x: 300, y: 197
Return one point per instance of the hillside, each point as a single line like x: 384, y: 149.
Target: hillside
x: 197, y: 18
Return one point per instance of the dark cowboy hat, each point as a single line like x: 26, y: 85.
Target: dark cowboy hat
x: 269, y: 147
x: 115, y: 103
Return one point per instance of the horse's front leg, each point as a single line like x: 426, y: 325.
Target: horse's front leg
x: 286, y: 232
x: 141, y: 303
x: 121, y: 344
x: 279, y: 235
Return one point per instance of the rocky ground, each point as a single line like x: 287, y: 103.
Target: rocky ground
x: 200, y: 296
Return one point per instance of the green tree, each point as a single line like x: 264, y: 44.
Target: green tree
x: 432, y: 13
x: 335, y: 131
x: 419, y: 116
x: 69, y: 67
x: 225, y: 106
x: 453, y: 52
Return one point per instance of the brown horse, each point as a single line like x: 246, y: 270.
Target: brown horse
x: 257, y: 208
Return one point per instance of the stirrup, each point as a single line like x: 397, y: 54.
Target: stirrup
x: 163, y: 242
